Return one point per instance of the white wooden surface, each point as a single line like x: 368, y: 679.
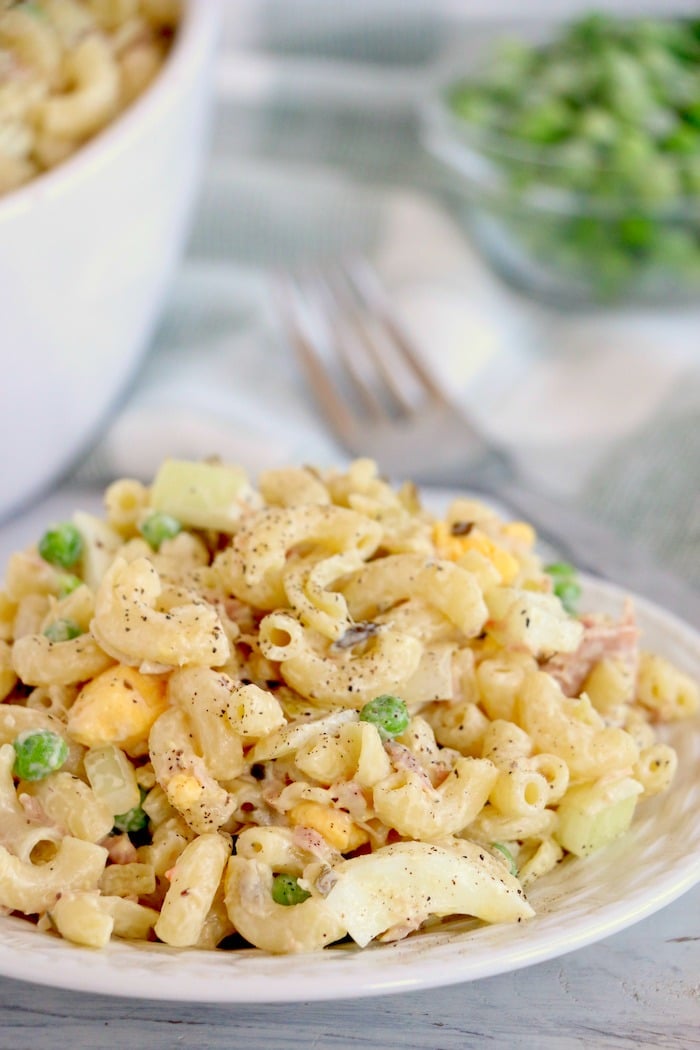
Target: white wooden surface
x: 639, y: 989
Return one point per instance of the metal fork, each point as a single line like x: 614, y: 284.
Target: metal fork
x: 381, y: 401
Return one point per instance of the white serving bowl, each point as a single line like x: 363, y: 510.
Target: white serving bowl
x: 87, y: 251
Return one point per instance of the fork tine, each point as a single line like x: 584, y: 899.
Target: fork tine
x: 384, y: 374
x: 347, y: 344
x: 327, y: 396
x: 371, y: 294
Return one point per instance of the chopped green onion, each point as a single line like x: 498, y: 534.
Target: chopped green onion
x: 287, y: 891
x: 512, y: 866
x: 61, y: 545
x: 388, y: 713
x: 159, y: 527
x: 63, y: 630
x: 38, y: 753
x: 135, y: 819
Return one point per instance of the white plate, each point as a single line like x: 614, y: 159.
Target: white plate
x: 579, y: 903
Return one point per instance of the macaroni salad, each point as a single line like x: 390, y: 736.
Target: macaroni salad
x: 287, y: 715
x: 67, y: 69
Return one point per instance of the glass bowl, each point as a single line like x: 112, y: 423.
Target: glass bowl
x: 549, y: 238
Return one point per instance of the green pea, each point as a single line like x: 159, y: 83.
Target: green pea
x: 690, y: 173
x: 609, y: 110
x: 135, y: 819
x: 568, y: 592
x: 159, y: 527
x: 683, y: 139
x: 566, y: 587
x: 61, y: 545
x: 692, y: 113
x: 287, y: 891
x: 38, y: 753
x: 637, y: 231
x: 598, y: 126
x: 63, y: 630
x: 544, y: 123
x: 560, y: 569
x: 388, y: 713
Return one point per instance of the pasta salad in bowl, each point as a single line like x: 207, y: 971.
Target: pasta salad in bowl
x: 104, y: 110
x: 306, y: 713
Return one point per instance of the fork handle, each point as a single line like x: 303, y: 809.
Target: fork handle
x: 596, y: 549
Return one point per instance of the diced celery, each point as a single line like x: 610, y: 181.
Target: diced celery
x: 101, y: 543
x: 593, y: 815
x: 201, y: 495
x: 112, y: 778
x: 537, y: 622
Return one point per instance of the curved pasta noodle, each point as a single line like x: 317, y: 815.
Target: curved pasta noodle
x: 39, y: 661
x: 306, y: 583
x: 387, y: 581
x: 53, y: 699
x: 292, y: 486
x: 565, y: 727
x: 351, y: 680
x: 34, y: 888
x: 91, y: 68
x: 281, y: 636
x: 555, y: 772
x: 491, y: 826
x: 193, y: 883
x: 505, y: 743
x: 665, y: 690
x: 433, y: 678
x: 276, y: 848
x: 205, y: 697
x: 168, y: 841
x: 184, y: 775
x: 18, y: 832
x: 254, y: 568
x: 304, y: 927
x: 126, y: 503
x: 546, y: 856
x: 129, y: 623
x: 28, y: 574
x: 32, y: 40
x: 8, y: 676
x: 70, y: 803
x: 656, y: 768
x: 519, y: 791
x: 461, y: 726
x: 405, y: 802
x: 90, y: 918
x: 351, y: 752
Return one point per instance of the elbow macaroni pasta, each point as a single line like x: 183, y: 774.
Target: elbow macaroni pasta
x: 211, y: 704
x: 67, y: 69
